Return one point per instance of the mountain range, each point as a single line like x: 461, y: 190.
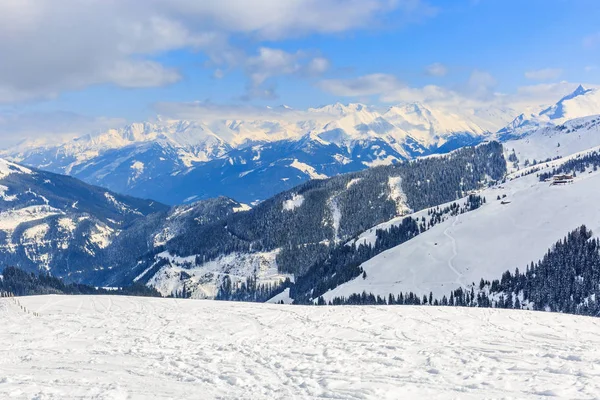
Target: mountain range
x: 177, y: 161
x: 325, y: 238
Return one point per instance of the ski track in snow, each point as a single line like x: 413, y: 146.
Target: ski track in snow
x: 454, y: 253
x: 85, y: 347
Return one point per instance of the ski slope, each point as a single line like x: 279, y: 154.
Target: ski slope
x: 85, y: 347
x: 483, y: 243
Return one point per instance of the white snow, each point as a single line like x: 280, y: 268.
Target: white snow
x: 336, y: 218
x: 353, y: 182
x: 483, y: 243
x: 7, y: 168
x: 138, y: 169
x: 10, y: 219
x: 35, y: 234
x: 122, y: 207
x: 307, y: 169
x: 295, y: 202
x: 103, y: 347
x: 242, y: 207
x: 397, y: 195
x: 101, y: 235
x: 550, y: 142
x: 205, y: 279
x: 67, y: 224
x: 387, y: 160
x: 4, y: 196
x: 283, y: 296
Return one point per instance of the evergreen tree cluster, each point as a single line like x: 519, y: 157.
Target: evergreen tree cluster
x: 250, y: 290
x: 22, y: 283
x: 579, y: 164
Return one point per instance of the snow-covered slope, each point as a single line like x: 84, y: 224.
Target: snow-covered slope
x: 570, y: 137
x: 84, y: 347
x: 257, y: 152
x: 485, y: 242
x: 55, y: 223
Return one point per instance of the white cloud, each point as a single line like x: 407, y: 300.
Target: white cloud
x: 545, y: 74
x: 210, y: 112
x: 134, y: 74
x: 270, y: 63
x: 373, y: 84
x: 436, y: 69
x: 47, y: 49
x: 480, y: 90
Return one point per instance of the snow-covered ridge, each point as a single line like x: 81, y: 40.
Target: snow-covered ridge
x: 558, y: 141
x: 7, y: 168
x: 580, y: 103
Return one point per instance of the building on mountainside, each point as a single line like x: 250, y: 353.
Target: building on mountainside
x: 561, y: 179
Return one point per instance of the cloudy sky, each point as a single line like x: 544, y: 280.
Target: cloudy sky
x: 73, y: 66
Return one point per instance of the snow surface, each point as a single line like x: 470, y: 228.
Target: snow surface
x: 4, y: 196
x: 85, y: 347
x: 122, y: 207
x: 296, y: 201
x: 7, y: 168
x: 573, y: 136
x: 483, y: 243
x: 10, y: 219
x: 307, y: 169
x: 202, y: 281
x: 283, y: 296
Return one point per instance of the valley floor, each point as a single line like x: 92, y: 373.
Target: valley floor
x: 138, y: 348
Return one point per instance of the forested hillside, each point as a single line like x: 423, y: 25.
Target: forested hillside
x: 309, y: 223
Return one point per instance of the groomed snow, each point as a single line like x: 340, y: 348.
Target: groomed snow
x: 84, y: 347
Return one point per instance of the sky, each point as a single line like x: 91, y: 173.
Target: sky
x: 78, y: 66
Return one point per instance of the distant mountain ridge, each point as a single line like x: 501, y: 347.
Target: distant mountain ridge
x: 270, y: 153
x: 580, y: 103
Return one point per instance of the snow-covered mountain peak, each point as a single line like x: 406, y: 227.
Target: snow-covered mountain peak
x: 340, y: 109
x: 580, y: 103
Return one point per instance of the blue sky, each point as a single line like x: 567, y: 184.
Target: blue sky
x: 87, y: 66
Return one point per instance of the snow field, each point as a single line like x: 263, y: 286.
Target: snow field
x: 85, y: 347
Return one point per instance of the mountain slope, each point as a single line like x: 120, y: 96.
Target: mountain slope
x: 501, y: 235
x: 58, y: 223
x: 570, y: 137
